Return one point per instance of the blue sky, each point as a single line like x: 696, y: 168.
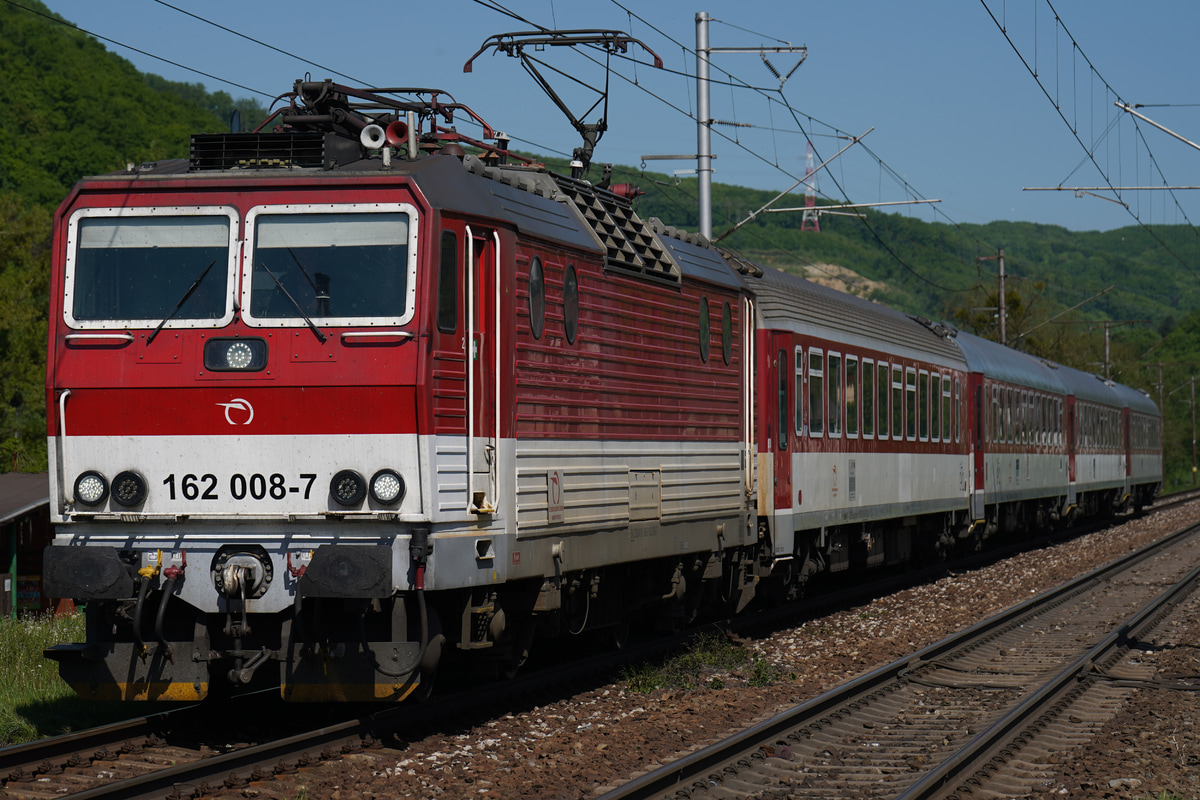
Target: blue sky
x: 955, y: 112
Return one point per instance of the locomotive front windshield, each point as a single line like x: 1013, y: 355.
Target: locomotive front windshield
x: 139, y: 268
x: 330, y: 266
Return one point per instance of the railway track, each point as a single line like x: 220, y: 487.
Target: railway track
x: 188, y: 753
x: 978, y: 714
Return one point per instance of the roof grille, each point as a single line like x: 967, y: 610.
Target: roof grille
x: 629, y: 243
x: 300, y: 150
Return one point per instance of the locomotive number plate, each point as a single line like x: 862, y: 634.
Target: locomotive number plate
x: 257, y: 486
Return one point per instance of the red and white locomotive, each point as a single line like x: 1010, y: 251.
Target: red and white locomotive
x: 332, y: 403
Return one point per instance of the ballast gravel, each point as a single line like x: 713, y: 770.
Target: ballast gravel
x: 581, y: 746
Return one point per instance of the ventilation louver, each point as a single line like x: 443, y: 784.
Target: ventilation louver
x: 629, y: 243
x: 298, y: 150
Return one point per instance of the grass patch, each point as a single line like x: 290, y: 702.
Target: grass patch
x: 710, y: 663
x: 34, y: 701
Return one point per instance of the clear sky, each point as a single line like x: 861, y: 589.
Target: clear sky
x: 955, y: 112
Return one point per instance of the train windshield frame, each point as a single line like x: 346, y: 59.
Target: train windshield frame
x: 135, y: 267
x: 343, y: 265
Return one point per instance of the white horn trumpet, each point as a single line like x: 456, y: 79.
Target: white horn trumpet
x: 373, y: 137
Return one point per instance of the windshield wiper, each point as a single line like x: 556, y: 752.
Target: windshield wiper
x: 179, y: 305
x: 316, y: 332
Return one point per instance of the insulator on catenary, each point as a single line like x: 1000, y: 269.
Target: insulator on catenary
x: 770, y: 66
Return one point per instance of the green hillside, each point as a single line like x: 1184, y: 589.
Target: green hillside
x: 73, y: 108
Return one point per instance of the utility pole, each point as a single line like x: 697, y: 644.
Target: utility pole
x: 1160, y: 388
x: 704, y: 120
x: 703, y: 126
x: 1001, y: 311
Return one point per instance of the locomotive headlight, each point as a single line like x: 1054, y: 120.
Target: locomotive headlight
x: 348, y: 488
x: 129, y: 489
x: 239, y: 355
x: 90, y: 488
x: 235, y: 355
x: 387, y: 487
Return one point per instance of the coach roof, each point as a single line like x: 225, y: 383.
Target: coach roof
x: 1001, y: 363
x: 788, y: 302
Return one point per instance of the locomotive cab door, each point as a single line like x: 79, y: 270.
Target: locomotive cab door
x: 483, y: 356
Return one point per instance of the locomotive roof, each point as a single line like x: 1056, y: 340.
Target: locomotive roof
x: 789, y: 302
x: 1002, y: 363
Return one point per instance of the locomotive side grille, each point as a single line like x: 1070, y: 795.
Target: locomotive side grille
x: 631, y: 246
x: 226, y: 151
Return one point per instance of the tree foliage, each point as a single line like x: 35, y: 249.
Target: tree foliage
x: 71, y: 108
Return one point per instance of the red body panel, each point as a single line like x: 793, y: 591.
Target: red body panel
x: 635, y: 371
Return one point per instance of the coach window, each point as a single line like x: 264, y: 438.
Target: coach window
x: 910, y: 396
x: 834, y: 382
x: 935, y: 406
x: 816, y: 396
x: 1044, y: 408
x: 1059, y: 439
x: 783, y: 399
x: 1010, y: 419
x: 868, y: 398
x: 995, y: 415
x: 897, y: 401
x: 1022, y: 418
x: 946, y: 408
x: 852, y: 396
x: 923, y: 405
x: 705, y: 330
x: 727, y: 334
x: 958, y: 411
x: 571, y: 304
x: 798, y: 385
x: 1030, y: 420
x: 881, y: 393
x: 1035, y: 428
x: 537, y: 298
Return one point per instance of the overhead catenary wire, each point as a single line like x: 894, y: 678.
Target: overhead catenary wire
x: 1074, y: 129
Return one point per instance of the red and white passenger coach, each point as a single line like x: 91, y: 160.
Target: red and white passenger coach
x: 335, y: 402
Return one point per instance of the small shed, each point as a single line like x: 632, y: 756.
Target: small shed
x: 25, y: 532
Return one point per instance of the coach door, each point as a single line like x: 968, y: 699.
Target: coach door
x: 977, y: 437
x: 483, y: 355
x: 784, y: 442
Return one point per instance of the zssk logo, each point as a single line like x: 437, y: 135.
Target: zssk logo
x: 236, y: 409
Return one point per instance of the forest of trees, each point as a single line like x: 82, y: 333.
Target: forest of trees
x: 72, y: 109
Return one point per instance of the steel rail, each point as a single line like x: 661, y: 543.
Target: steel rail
x: 697, y: 766
x: 967, y: 764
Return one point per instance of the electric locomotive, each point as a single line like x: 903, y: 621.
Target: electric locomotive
x: 330, y: 400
